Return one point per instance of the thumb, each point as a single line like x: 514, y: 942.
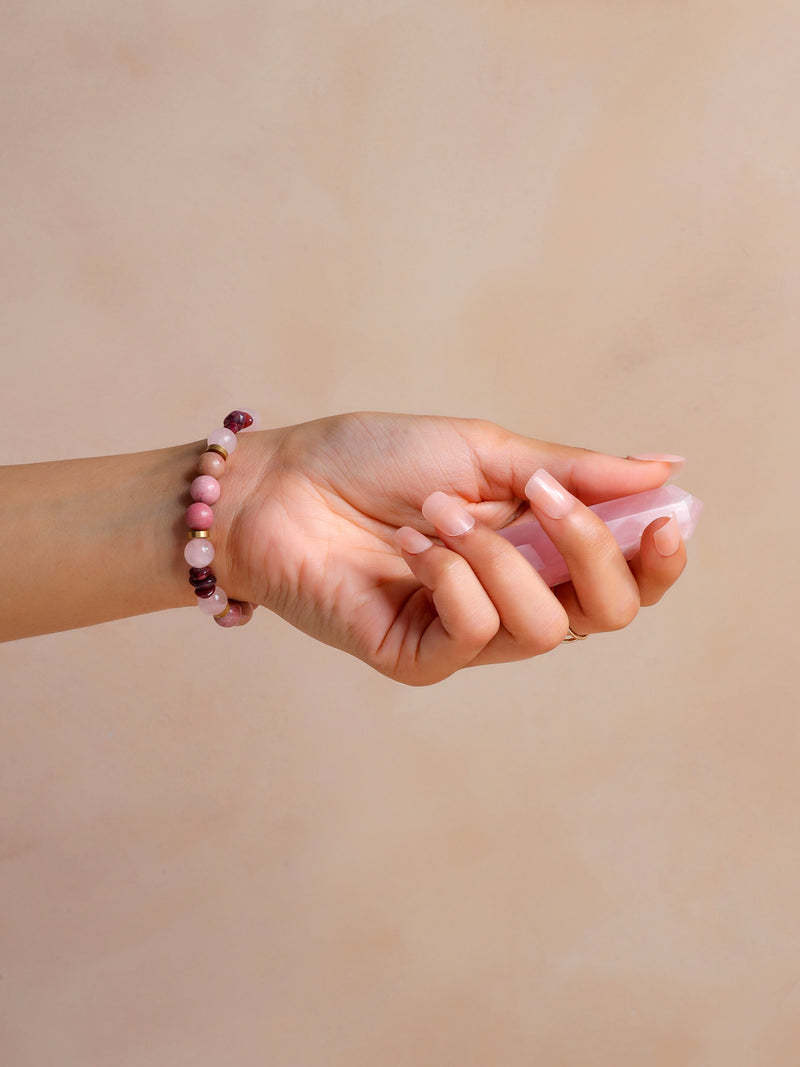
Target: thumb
x: 507, y: 460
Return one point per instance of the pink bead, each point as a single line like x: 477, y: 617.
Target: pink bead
x: 199, y: 552
x: 205, y: 488
x: 233, y: 617
x: 199, y: 516
x: 223, y: 437
x: 214, y: 604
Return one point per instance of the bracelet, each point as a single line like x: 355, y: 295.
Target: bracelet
x: 205, y: 491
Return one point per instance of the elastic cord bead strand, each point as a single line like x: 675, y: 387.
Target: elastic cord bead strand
x: 199, y: 551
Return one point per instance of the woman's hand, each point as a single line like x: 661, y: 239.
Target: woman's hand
x: 311, y: 521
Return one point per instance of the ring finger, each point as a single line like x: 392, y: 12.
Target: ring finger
x: 602, y: 594
x: 532, y: 620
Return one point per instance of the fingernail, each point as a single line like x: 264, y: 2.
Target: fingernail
x: 546, y: 493
x: 678, y: 462
x: 447, y: 515
x: 668, y: 537
x: 412, y: 541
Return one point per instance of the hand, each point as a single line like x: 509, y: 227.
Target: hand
x: 312, y: 533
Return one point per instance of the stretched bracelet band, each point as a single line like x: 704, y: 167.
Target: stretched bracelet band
x: 205, y: 491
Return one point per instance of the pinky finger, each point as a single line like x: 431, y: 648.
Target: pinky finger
x: 660, y: 560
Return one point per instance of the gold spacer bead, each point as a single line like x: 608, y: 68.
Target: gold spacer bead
x: 219, y: 450
x: 199, y: 533
x: 222, y: 614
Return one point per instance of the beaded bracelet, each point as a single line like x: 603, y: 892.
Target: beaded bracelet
x: 205, y: 491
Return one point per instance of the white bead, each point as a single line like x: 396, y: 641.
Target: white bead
x: 223, y: 437
x: 214, y: 604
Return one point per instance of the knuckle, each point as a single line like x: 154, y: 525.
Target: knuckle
x: 622, y: 612
x: 471, y: 627
x: 421, y: 681
x: 598, y: 540
x: 453, y: 569
x: 482, y: 627
x: 485, y: 427
x: 650, y: 596
x: 546, y: 633
x: 500, y: 557
x: 554, y: 633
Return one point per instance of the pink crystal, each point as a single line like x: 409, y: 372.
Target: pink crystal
x: 626, y: 518
x: 199, y: 552
x: 233, y: 616
x: 225, y: 438
x: 214, y: 604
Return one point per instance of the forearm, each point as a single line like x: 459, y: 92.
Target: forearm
x: 90, y: 540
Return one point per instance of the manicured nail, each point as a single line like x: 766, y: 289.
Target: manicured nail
x: 678, y: 462
x: 412, y: 541
x: 668, y: 537
x: 447, y: 515
x: 546, y: 493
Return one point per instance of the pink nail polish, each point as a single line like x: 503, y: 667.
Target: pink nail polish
x: 668, y: 537
x: 412, y: 541
x: 447, y: 515
x: 546, y: 493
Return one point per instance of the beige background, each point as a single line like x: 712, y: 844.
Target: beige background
x: 578, y: 219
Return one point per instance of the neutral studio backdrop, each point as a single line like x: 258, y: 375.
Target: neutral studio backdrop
x: 580, y: 220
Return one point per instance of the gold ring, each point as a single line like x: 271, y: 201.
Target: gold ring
x: 572, y: 636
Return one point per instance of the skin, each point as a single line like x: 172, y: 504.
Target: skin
x: 307, y: 525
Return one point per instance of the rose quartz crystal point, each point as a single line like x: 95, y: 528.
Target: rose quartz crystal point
x: 626, y: 518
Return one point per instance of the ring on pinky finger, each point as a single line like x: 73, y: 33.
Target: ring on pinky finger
x: 573, y: 636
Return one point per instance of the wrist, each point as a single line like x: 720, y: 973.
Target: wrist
x: 118, y: 518
x: 122, y: 521
x: 242, y: 490
x: 217, y: 549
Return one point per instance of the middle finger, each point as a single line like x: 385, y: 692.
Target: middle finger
x: 603, y: 594
x: 532, y: 619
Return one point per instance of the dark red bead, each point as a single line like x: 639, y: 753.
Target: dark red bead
x: 199, y: 574
x: 206, y: 583
x: 205, y: 591
x: 237, y: 420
